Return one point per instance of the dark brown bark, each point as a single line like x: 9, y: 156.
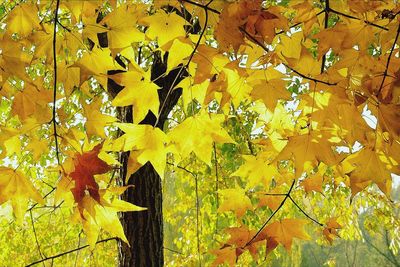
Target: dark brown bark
x: 144, y: 230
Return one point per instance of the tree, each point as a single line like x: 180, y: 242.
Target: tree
x: 258, y: 123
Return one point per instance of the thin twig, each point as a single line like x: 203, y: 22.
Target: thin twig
x: 187, y: 64
x: 307, y: 77
x: 326, y: 20
x: 216, y: 184
x: 355, y: 18
x: 198, y: 213
x: 173, y: 250
x: 287, y: 195
x: 182, y: 168
x: 79, y: 244
x: 34, y: 205
x: 252, y: 38
x: 8, y: 12
x: 68, y: 252
x: 393, y: 256
x: 206, y: 7
x: 36, y: 238
x: 302, y: 211
x: 54, y: 120
x: 197, y: 219
x: 388, y: 61
x: 63, y: 26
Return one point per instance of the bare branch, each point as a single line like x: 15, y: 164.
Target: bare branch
x: 287, y: 195
x: 68, y: 252
x: 54, y: 120
x: 305, y: 214
x: 36, y: 238
x: 328, y: 9
x: 385, y: 73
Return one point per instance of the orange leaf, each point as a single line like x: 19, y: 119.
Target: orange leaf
x: 86, y: 166
x: 330, y: 230
x: 284, y: 231
x: 224, y: 255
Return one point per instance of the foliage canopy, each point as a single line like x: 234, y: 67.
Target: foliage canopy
x: 287, y: 126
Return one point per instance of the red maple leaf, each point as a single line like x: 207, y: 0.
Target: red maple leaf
x: 86, y: 166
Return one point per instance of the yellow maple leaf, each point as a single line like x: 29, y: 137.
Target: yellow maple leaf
x: 197, y: 134
x: 26, y: 103
x: 165, y: 27
x: 38, y: 147
x: 389, y: 119
x: 43, y: 41
x: 95, y: 120
x: 269, y: 86
x: 10, y: 142
x: 103, y: 215
x: 366, y: 166
x: 139, y: 91
x: 235, y: 200
x: 149, y: 142
x: 179, y: 50
x: 96, y: 62
x: 237, y: 86
x: 290, y: 47
x: 285, y: 230
x: 15, y: 186
x: 121, y: 26
x: 308, y: 150
x: 13, y: 59
x: 257, y: 170
x: 192, y: 91
x: 23, y: 19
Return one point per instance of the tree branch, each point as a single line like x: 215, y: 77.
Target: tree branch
x: 388, y: 61
x: 252, y: 38
x: 36, y: 238
x: 287, y: 195
x: 198, y: 213
x: 302, y: 211
x: 54, y: 120
x: 68, y: 252
x: 326, y: 19
x: 328, y: 9
x: 181, y: 70
x: 206, y: 7
x: 216, y: 185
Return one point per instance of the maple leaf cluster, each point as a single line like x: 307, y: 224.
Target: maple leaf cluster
x: 303, y: 94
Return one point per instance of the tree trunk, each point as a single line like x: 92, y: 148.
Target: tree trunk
x: 144, y: 229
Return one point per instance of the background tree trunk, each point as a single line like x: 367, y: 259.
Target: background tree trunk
x: 144, y: 230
